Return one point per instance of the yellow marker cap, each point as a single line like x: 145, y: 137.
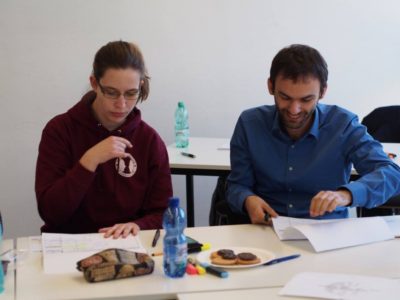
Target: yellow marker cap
x: 206, y: 246
x: 200, y: 270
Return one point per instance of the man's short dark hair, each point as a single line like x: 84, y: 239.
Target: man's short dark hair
x: 299, y: 61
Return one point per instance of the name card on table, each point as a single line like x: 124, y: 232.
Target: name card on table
x: 338, y: 233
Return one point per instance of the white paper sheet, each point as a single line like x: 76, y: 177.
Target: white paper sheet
x: 62, y: 251
x: 35, y: 244
x: 285, y: 227
x: 342, y: 286
x: 394, y: 224
x: 333, y: 234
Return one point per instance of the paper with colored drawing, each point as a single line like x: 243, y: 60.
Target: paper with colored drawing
x: 341, y: 286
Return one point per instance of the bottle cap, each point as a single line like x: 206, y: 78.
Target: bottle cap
x: 181, y: 104
x: 174, y: 202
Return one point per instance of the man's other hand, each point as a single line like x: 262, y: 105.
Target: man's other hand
x: 327, y: 201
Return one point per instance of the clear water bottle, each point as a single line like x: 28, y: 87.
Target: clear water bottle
x: 1, y: 264
x: 175, y: 244
x: 181, y: 126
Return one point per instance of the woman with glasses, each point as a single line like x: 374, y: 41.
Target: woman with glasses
x: 100, y: 167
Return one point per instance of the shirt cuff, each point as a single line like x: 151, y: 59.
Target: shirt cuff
x: 358, y: 193
x: 237, y: 204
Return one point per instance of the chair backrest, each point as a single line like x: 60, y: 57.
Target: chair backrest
x: 383, y: 123
x: 220, y: 211
x: 217, y: 197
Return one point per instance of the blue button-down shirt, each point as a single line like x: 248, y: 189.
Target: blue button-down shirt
x: 287, y: 174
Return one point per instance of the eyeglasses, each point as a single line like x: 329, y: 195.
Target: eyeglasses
x: 114, y: 94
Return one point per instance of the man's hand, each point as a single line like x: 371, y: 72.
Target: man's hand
x: 118, y: 230
x: 256, y: 208
x: 109, y: 148
x: 327, y: 201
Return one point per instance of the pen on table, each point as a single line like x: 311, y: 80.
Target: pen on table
x: 188, y: 154
x: 156, y: 237
x: 157, y: 254
x: 281, y: 259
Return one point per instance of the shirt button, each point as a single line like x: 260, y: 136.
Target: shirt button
x: 292, y: 146
x: 290, y: 168
x: 289, y: 189
x: 290, y: 205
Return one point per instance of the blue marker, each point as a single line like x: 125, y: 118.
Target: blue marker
x: 281, y: 259
x: 214, y: 270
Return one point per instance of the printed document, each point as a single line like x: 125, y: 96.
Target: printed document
x: 62, y: 251
x: 338, y: 233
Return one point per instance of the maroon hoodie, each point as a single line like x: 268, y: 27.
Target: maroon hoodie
x: 72, y: 199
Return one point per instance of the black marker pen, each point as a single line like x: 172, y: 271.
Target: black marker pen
x: 188, y: 154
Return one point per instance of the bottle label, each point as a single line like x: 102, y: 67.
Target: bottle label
x: 182, y: 138
x: 181, y: 252
x: 175, y: 260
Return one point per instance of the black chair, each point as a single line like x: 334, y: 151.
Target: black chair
x: 383, y: 124
x: 220, y: 212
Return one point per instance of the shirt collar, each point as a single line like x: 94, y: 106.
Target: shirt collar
x: 314, y: 130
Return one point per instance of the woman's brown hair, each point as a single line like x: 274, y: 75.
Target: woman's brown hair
x: 122, y: 55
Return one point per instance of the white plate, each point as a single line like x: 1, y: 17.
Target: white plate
x: 263, y: 255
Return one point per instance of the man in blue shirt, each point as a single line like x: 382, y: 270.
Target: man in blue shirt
x: 294, y: 158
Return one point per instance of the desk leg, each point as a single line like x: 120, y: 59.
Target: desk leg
x: 189, y: 200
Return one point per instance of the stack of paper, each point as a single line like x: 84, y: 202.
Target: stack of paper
x: 332, y: 234
x: 62, y: 251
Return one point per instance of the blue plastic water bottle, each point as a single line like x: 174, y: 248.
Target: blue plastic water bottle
x: 175, y: 245
x: 181, y: 126
x: 1, y: 264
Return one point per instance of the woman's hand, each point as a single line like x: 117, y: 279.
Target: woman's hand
x: 119, y: 230
x: 109, y: 148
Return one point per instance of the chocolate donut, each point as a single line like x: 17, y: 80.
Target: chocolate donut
x: 246, y: 256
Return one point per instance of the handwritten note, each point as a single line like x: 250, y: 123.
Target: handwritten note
x: 62, y: 251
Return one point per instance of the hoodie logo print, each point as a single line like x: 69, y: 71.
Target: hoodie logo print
x: 126, y: 166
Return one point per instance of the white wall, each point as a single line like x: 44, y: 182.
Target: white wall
x: 213, y: 54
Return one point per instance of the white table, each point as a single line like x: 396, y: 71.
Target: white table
x: 379, y: 259
x: 262, y: 293
x: 9, y: 288
x: 209, y: 161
